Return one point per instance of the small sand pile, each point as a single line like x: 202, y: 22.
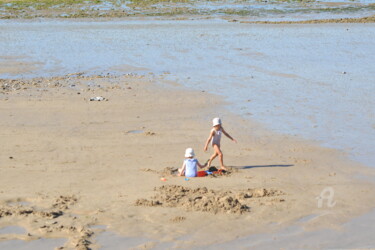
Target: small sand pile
x: 203, y: 199
x: 150, y: 133
x: 168, y: 171
x: 26, y: 211
x: 178, y: 219
x: 262, y: 192
x: 63, y: 202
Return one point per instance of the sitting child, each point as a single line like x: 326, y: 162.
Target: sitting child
x: 190, y: 166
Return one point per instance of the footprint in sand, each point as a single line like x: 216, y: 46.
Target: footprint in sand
x: 178, y: 219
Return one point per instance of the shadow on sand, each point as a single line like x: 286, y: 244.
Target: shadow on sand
x: 264, y: 166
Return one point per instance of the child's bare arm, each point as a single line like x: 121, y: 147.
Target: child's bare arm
x: 202, y: 166
x: 182, y: 170
x: 230, y: 137
x: 208, y: 140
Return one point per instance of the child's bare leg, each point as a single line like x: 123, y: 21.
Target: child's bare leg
x: 211, y: 159
x: 221, y: 156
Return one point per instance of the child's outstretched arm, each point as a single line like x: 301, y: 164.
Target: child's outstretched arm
x: 208, y: 140
x: 202, y: 166
x: 230, y: 137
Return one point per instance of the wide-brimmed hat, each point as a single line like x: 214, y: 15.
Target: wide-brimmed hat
x: 189, y: 152
x: 216, y: 121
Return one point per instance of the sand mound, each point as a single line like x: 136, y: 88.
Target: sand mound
x: 203, y: 199
x: 168, y: 171
x: 26, y: 211
x: 63, y: 202
x: 261, y: 192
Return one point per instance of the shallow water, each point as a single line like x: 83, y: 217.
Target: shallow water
x: 135, y: 132
x: 19, y: 203
x: 314, y: 81
x: 40, y: 244
x: 12, y: 230
x: 356, y: 234
x: 110, y: 240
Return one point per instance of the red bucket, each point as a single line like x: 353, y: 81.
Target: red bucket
x: 201, y: 174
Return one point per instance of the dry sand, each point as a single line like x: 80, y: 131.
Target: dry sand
x: 68, y: 163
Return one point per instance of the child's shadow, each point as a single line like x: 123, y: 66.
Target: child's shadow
x: 264, y: 166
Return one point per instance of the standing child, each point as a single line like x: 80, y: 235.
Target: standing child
x: 215, y: 137
x: 190, y: 166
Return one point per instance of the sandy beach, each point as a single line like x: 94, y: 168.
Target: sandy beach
x: 100, y: 98
x: 76, y: 169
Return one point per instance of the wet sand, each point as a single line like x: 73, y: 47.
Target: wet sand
x: 255, y: 67
x: 68, y: 164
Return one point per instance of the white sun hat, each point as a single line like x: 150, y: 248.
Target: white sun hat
x: 216, y: 121
x: 189, y: 152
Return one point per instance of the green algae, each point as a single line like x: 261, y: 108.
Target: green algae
x: 28, y: 9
